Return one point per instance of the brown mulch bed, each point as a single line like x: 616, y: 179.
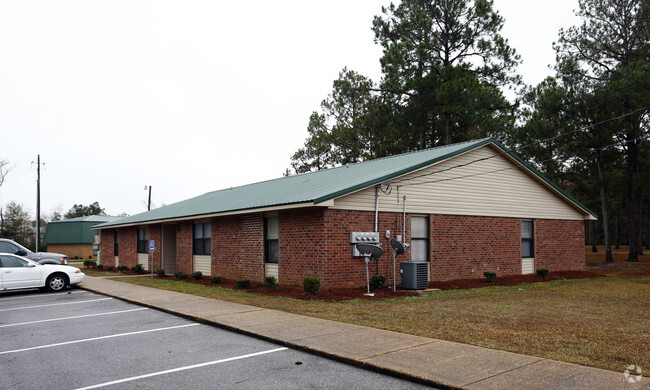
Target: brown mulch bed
x: 339, y: 294
x: 512, y: 280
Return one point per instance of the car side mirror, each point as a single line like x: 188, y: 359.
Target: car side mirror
x: 31, y: 265
x: 21, y: 252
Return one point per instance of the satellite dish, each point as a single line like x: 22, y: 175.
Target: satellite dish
x: 369, y: 250
x: 397, y: 246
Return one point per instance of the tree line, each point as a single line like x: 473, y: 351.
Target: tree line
x: 445, y: 67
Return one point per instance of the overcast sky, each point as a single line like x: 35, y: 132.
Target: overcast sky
x: 187, y: 96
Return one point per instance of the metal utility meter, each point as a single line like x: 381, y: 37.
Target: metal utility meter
x: 362, y: 238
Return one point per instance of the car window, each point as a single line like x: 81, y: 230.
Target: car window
x: 7, y: 247
x: 11, y: 261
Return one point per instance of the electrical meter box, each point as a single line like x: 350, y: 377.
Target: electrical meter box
x: 362, y: 238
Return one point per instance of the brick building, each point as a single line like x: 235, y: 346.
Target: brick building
x: 464, y: 208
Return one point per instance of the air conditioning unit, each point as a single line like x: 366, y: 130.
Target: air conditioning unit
x: 415, y: 274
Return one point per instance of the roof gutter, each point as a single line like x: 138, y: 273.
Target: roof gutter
x: 211, y: 215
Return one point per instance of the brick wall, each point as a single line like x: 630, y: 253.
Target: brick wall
x: 559, y: 245
x: 81, y: 251
x: 106, y: 247
x: 128, y: 238
x: 184, y: 247
x: 238, y: 246
x: 127, y: 246
x: 303, y: 238
x: 466, y: 246
x: 316, y: 241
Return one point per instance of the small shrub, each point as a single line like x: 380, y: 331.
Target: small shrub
x: 138, y: 268
x: 122, y: 268
x: 180, y: 275
x: 197, y: 275
x: 490, y: 276
x: 243, y: 283
x: 310, y: 285
x: 77, y: 258
x: 109, y: 268
x: 215, y: 279
x: 100, y: 266
x: 89, y: 263
x: 542, y: 272
x: 271, y: 283
x: 90, y: 257
x: 377, y: 282
x: 160, y: 272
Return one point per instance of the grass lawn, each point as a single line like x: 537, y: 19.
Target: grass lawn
x: 618, y: 254
x: 600, y: 322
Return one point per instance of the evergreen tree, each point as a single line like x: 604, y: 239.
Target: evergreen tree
x: 17, y: 224
x: 345, y: 131
x: 79, y: 210
x: 610, y: 54
x: 443, y: 64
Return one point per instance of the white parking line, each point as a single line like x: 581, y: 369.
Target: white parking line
x: 133, y: 378
x: 37, y: 294
x: 97, y: 338
x: 72, y: 318
x: 56, y: 304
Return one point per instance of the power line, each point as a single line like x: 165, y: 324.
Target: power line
x: 525, y: 165
x: 525, y: 146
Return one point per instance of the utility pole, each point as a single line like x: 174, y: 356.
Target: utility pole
x: 148, y: 203
x: 38, y: 200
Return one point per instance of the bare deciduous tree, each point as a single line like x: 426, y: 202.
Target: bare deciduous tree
x: 4, y: 169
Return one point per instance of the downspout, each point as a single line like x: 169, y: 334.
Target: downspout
x: 376, y: 208
x: 376, y: 223
x: 404, y: 220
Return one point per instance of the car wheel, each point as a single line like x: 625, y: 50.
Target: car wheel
x: 56, y: 282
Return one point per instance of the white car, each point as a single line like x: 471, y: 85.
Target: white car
x: 18, y: 272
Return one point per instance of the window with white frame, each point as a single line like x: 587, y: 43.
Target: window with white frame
x: 143, y: 240
x: 527, y: 245
x: 202, y: 242
x: 271, y: 233
x: 419, y: 238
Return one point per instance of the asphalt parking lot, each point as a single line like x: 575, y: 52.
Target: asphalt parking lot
x: 81, y: 340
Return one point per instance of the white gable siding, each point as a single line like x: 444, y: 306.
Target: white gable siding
x: 506, y: 193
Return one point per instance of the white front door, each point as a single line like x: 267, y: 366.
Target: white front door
x: 18, y: 273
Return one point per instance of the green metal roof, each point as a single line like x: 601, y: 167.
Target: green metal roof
x: 74, y: 230
x: 90, y: 218
x: 313, y: 188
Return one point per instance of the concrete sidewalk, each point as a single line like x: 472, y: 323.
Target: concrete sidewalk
x: 435, y: 362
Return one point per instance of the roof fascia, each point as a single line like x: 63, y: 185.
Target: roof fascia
x: 211, y: 215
